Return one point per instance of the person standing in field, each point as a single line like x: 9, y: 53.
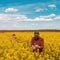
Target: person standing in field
x: 13, y: 37
x: 37, y: 43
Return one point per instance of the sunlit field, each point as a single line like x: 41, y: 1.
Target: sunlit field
x: 20, y: 49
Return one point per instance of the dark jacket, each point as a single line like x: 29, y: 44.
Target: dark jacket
x: 39, y: 41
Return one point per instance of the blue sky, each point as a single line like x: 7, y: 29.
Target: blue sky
x: 29, y: 14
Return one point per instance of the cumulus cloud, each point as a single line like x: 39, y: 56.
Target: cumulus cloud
x: 45, y: 18
x: 11, y: 10
x: 39, y: 9
x: 57, y: 17
x: 17, y: 21
x: 13, y: 17
x: 18, y: 17
x: 52, y: 6
x: 42, y: 19
x: 52, y: 15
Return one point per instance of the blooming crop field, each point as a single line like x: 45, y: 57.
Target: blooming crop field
x: 20, y: 49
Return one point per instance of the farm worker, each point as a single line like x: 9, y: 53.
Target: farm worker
x: 14, y: 37
x: 37, y: 43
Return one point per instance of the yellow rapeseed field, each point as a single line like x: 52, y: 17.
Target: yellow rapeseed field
x: 20, y: 48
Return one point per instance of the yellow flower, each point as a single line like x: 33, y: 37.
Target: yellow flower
x: 1, y: 58
x: 1, y: 51
x: 22, y: 50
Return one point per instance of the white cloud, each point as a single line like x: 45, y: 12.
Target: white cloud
x: 57, y: 17
x: 48, y: 16
x: 42, y: 19
x: 39, y: 9
x: 52, y: 6
x: 52, y: 15
x: 45, y: 18
x: 13, y: 17
x: 13, y: 21
x: 11, y: 10
x: 18, y: 17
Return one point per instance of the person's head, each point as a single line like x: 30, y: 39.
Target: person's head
x: 13, y: 35
x: 36, y: 33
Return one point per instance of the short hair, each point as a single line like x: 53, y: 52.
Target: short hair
x: 13, y: 34
x: 36, y: 32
